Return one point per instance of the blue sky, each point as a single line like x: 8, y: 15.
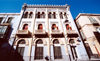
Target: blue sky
x: 77, y: 6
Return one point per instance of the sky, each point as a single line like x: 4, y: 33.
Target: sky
x: 76, y: 6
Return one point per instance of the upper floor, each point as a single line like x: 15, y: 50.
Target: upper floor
x: 7, y: 24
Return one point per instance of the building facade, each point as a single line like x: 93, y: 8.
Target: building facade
x: 45, y: 33
x: 48, y: 32
x: 89, y: 28
x: 8, y: 26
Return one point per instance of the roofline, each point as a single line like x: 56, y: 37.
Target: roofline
x: 9, y: 13
x: 45, y: 6
x: 86, y: 14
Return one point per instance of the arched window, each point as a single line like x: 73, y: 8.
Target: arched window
x: 72, y: 47
x: 21, y: 48
x: 25, y: 15
x: 65, y: 15
x: 25, y: 27
x: 50, y: 15
x: 40, y: 27
x: 43, y: 15
x: 71, y: 41
x: 68, y: 27
x: 57, y: 49
x: 39, y: 50
x: 31, y: 14
x: 66, y: 21
x: 54, y: 27
x: 38, y: 15
x: 61, y: 15
x: 54, y: 15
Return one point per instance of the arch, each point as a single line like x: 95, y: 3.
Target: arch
x: 66, y: 21
x: 55, y: 41
x: 40, y: 27
x: 61, y: 15
x: 49, y: 15
x: 68, y: 27
x: 54, y: 15
x: 57, y: 49
x: 71, y: 41
x: 31, y: 14
x: 25, y: 27
x: 19, y: 48
x: 54, y: 27
x: 26, y: 15
x: 22, y: 41
x: 43, y: 15
x: 65, y: 15
x: 17, y: 41
x: 38, y: 50
x: 39, y: 41
x: 38, y: 15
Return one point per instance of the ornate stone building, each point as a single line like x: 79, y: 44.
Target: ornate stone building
x: 89, y: 28
x: 46, y: 33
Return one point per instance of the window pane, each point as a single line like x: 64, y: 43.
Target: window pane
x: 57, y: 52
x: 88, y: 49
x: 21, y: 50
x: 39, y: 53
x: 73, y: 51
x: 97, y: 35
x: 9, y: 19
x: 83, y: 36
x: 1, y: 19
x: 93, y: 20
x: 98, y: 18
x: 3, y: 29
x: 61, y: 15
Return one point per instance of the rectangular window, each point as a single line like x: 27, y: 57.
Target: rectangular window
x: 9, y: 19
x: 1, y: 18
x: 2, y: 31
x: 88, y: 49
x: 73, y: 50
x: 97, y: 35
x: 78, y: 25
x: 39, y: 53
x: 21, y: 50
x: 93, y: 20
x: 57, y: 52
x: 83, y: 36
x: 98, y: 17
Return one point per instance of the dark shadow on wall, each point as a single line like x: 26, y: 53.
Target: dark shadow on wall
x: 7, y: 53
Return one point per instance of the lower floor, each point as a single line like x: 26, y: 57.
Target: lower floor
x: 54, y: 49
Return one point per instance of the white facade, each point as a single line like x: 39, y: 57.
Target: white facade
x: 47, y: 32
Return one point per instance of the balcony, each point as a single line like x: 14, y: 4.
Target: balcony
x: 72, y: 33
x: 56, y: 33
x: 5, y: 24
x: 5, y: 31
x: 40, y: 33
x: 23, y: 33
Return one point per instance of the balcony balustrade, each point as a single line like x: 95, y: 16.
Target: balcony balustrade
x: 56, y: 33
x: 40, y: 33
x: 72, y: 33
x: 23, y: 33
